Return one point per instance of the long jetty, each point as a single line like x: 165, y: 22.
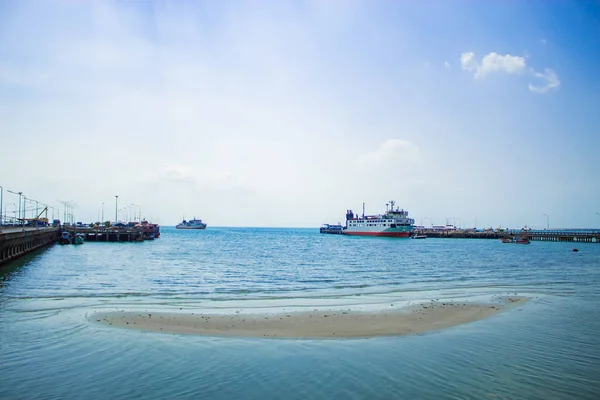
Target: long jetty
x: 547, y: 235
x: 115, y: 233
x: 16, y: 242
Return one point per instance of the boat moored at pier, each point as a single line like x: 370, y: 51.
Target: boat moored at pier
x: 393, y: 223
x: 332, y: 229
x: 516, y: 239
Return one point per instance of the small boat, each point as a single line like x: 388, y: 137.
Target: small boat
x: 191, y: 224
x: 516, y: 239
x: 415, y: 236
x: 78, y: 239
x: 65, y: 238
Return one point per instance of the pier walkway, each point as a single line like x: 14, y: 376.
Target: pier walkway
x: 552, y: 235
x: 17, y: 241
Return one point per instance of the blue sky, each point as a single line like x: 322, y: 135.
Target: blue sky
x: 265, y: 113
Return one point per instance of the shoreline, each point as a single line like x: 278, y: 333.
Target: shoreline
x: 317, y: 324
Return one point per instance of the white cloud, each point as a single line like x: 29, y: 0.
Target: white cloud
x: 509, y: 64
x: 543, y: 41
x: 468, y: 61
x: 391, y: 152
x: 491, y: 63
x: 495, y: 62
x: 177, y: 173
x: 550, y: 79
x: 447, y: 64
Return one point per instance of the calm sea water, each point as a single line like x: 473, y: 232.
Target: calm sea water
x: 548, y: 348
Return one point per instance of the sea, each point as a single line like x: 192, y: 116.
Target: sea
x: 547, y: 348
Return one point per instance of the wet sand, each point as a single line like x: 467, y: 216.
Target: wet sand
x: 431, y: 316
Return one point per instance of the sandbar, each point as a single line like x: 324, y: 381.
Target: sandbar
x: 315, y: 324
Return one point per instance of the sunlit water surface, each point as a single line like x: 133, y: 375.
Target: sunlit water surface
x: 547, y: 348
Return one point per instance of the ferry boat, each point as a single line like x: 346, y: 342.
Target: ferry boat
x: 394, y: 223
x: 191, y: 224
x: 337, y: 229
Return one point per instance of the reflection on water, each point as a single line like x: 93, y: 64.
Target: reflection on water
x: 547, y: 348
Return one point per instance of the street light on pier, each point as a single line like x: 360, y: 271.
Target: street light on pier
x: 102, y: 212
x: 20, y: 195
x: 116, y: 208
x: 14, y: 212
x: 547, y: 221
x: 67, y: 212
x: 123, y: 209
x: 139, y: 213
x: 52, y: 212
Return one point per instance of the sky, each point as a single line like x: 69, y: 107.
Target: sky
x: 288, y: 113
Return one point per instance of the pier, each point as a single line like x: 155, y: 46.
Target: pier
x: 16, y: 242
x: 554, y: 235
x: 115, y: 233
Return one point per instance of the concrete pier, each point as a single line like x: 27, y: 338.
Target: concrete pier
x: 555, y: 235
x: 15, y: 242
x: 115, y: 234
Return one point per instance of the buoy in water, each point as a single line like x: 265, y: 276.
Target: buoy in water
x: 575, y: 250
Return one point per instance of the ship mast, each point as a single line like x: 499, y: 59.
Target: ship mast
x: 392, y: 202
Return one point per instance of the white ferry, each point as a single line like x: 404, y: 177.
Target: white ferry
x: 191, y: 224
x: 394, y: 223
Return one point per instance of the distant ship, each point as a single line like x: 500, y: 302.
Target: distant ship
x: 394, y: 223
x: 191, y: 224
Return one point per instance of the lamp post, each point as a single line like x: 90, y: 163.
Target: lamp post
x: 15, y: 213
x: 102, y: 212
x: 116, y: 208
x: 547, y: 221
x: 37, y: 206
x: 24, y: 210
x: 52, y: 212
x: 20, y: 194
x: 123, y: 209
x: 139, y: 212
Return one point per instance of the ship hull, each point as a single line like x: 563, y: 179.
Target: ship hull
x: 190, y: 227
x: 379, y: 234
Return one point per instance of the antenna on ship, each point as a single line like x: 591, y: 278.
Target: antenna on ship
x: 363, y: 210
x: 392, y: 203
